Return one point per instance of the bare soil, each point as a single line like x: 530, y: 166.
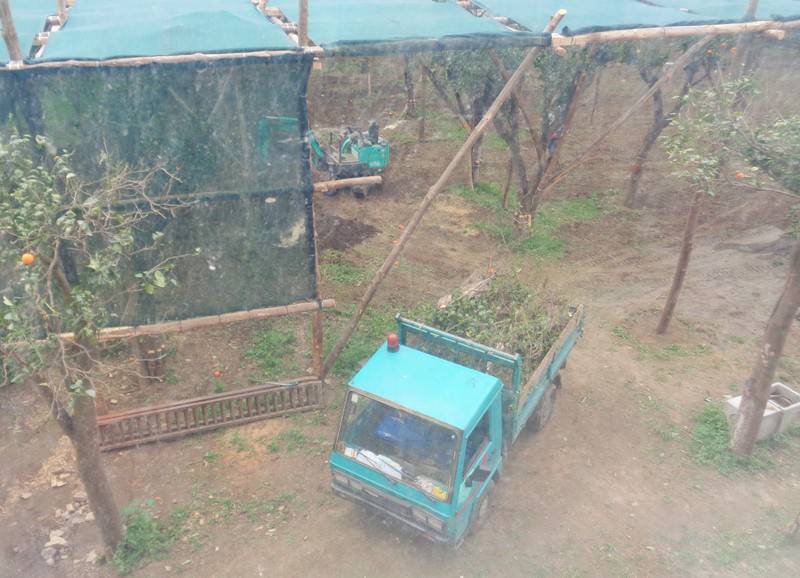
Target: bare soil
x: 608, y: 488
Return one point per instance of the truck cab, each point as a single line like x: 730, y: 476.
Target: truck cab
x: 420, y: 440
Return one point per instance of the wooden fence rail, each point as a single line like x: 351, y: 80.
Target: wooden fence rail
x: 178, y: 419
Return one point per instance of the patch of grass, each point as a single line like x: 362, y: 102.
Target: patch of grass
x: 146, y: 538
x: 210, y: 457
x: 239, y: 443
x: 664, y: 353
x: 374, y: 325
x: 488, y: 195
x: 218, y: 386
x: 272, y: 350
x: 288, y: 441
x: 222, y: 508
x: 258, y: 508
x: 542, y: 240
x: 542, y: 245
x: 710, y: 444
x: 336, y: 269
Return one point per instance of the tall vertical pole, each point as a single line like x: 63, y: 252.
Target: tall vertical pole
x: 9, y: 32
x: 303, y: 32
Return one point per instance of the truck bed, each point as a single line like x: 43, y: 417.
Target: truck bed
x: 529, y: 395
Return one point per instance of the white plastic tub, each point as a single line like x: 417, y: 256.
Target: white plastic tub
x: 783, y: 409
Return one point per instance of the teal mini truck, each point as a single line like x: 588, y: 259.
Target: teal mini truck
x: 424, y: 434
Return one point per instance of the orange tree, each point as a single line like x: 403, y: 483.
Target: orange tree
x: 50, y: 216
x: 720, y: 141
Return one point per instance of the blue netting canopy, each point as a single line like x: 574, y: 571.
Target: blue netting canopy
x: 104, y: 29
x: 335, y: 22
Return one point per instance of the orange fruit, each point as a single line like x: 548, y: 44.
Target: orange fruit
x: 28, y: 259
x: 740, y: 175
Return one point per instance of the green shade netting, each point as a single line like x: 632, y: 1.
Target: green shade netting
x: 101, y: 29
x: 535, y: 14
x: 231, y: 133
x: 29, y: 17
x: 350, y: 21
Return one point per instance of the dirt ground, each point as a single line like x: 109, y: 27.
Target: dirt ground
x: 607, y: 489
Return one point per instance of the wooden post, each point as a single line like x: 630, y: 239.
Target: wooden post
x: 661, y: 32
x: 683, y: 262
x: 666, y: 77
x: 316, y: 319
x: 303, y: 24
x: 9, y: 32
x: 757, y: 389
x: 416, y: 218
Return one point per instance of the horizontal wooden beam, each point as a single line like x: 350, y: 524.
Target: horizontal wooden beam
x: 113, y: 333
x: 325, y: 186
x: 671, y: 32
x: 173, y: 59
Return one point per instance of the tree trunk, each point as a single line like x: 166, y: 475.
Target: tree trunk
x: 81, y: 429
x: 757, y: 388
x: 410, y: 110
x: 509, y: 176
x: 478, y: 108
x: 517, y: 162
x: 552, y: 152
x: 92, y: 472
x: 683, y: 262
x: 632, y: 198
x: 151, y: 352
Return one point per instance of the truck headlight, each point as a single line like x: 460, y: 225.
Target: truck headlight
x: 340, y: 479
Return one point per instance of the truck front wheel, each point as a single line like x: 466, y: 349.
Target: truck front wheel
x: 481, y: 512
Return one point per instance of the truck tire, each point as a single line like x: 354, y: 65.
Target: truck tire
x: 482, y: 509
x: 544, y: 411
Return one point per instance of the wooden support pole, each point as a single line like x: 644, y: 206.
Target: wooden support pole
x: 112, y: 333
x: 671, y: 32
x: 685, y: 58
x: 9, y: 32
x: 416, y: 218
x: 302, y: 33
x: 61, y: 10
x: 316, y: 320
x: 325, y: 186
x: 172, y: 59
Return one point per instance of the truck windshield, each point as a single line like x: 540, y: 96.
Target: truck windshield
x: 400, y: 445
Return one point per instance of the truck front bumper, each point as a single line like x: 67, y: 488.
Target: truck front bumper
x: 390, y: 506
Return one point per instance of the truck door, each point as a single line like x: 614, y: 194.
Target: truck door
x: 480, y: 453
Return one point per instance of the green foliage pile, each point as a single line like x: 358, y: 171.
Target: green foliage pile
x: 508, y: 317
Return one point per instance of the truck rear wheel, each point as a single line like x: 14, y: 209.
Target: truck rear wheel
x: 544, y: 411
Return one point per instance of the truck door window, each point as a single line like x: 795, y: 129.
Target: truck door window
x: 476, y: 441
